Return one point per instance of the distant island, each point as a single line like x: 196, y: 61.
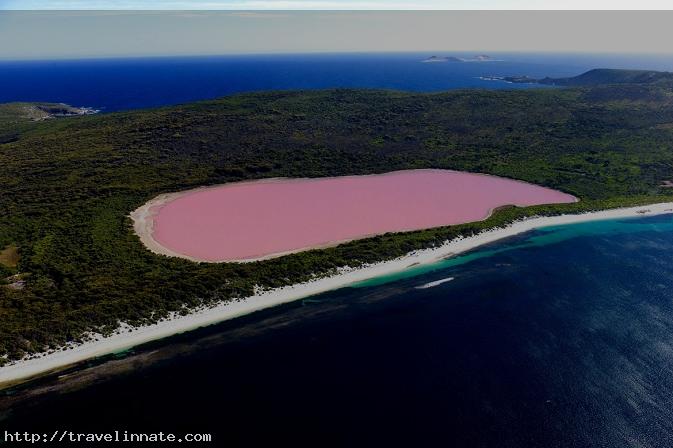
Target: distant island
x: 477, y: 58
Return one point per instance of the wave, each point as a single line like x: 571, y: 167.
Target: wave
x: 435, y: 283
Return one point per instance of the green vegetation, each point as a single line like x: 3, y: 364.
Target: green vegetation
x: 606, y: 76
x: 603, y: 77
x: 69, y: 184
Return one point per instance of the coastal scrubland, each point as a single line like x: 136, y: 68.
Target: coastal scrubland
x: 68, y: 185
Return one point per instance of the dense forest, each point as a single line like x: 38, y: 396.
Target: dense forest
x: 70, y: 263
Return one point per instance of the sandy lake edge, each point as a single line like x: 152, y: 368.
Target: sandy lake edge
x: 143, y: 217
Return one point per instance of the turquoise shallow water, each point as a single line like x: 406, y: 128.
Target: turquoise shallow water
x: 537, y: 238
x: 561, y: 337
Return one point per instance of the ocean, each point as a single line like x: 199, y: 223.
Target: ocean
x: 558, y: 337
x: 123, y: 84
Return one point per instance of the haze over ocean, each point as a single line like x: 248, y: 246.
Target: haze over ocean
x: 122, y: 84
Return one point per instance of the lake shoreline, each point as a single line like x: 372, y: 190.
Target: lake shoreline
x: 128, y: 337
x: 145, y: 217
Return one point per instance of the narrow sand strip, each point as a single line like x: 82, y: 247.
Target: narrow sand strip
x: 48, y: 362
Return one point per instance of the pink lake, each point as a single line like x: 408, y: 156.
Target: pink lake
x: 251, y: 220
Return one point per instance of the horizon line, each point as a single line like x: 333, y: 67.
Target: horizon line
x: 430, y: 52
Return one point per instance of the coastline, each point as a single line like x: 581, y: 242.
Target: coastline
x: 130, y: 337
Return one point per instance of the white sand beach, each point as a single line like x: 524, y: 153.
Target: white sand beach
x: 135, y: 336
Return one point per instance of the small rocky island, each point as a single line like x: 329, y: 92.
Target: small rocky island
x: 477, y: 58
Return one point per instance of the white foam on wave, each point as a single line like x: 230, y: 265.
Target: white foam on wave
x: 435, y: 283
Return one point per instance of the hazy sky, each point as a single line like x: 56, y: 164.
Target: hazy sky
x: 335, y: 4
x: 74, y: 34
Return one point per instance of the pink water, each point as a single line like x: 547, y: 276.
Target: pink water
x: 256, y: 219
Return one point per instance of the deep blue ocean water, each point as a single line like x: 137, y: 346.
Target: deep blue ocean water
x: 119, y: 84
x: 561, y: 337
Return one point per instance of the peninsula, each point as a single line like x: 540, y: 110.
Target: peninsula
x: 602, y: 76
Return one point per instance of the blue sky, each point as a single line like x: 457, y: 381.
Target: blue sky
x: 332, y: 4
